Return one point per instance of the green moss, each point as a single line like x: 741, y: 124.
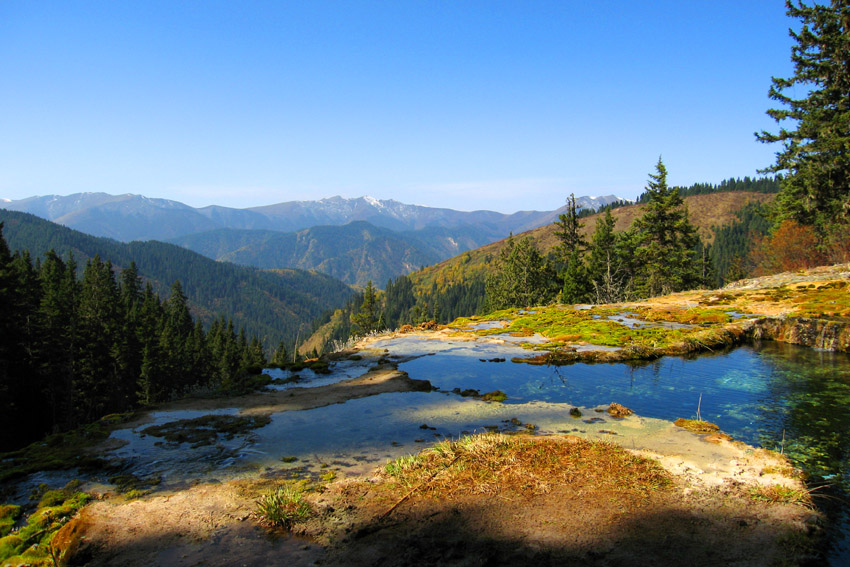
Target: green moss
x: 61, y: 451
x: 52, y: 498
x: 697, y: 426
x: 9, y: 514
x: 127, y: 482
x: 205, y: 430
x: 54, y: 510
x: 690, y: 316
x: 10, y: 546
x: 495, y: 396
x: 135, y: 494
x: 831, y: 300
x: 569, y: 326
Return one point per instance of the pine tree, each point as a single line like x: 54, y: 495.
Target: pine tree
x: 816, y: 146
x: 254, y: 357
x: 569, y: 252
x: 57, y: 314
x: 280, y: 357
x: 100, y: 323
x: 576, y: 282
x: 608, y: 268
x: 130, y: 353
x: 521, y: 277
x: 12, y: 369
x: 666, y: 240
x: 176, y: 331
x: 152, y: 383
x: 568, y: 232
x: 367, y: 318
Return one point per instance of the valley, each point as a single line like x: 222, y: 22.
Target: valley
x: 386, y: 461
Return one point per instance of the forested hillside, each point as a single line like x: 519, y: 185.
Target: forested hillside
x: 273, y: 305
x: 355, y: 253
x: 75, y: 348
x: 706, y: 211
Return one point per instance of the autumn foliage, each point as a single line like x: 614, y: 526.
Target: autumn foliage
x: 791, y: 247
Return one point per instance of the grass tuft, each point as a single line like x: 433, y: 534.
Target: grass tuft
x: 779, y: 494
x: 284, y: 506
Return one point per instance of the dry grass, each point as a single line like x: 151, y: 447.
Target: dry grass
x: 779, y: 494
x: 495, y: 464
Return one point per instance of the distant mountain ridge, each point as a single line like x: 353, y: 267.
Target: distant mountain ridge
x: 274, y: 305
x: 354, y: 253
x: 131, y: 217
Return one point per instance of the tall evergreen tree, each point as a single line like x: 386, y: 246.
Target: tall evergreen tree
x: 368, y: 317
x: 666, y: 240
x: 12, y: 358
x: 129, y: 346
x: 568, y: 232
x: 280, y: 357
x: 398, y: 301
x: 569, y: 253
x: 152, y: 382
x: 100, y: 324
x: 608, y: 268
x: 57, y: 316
x: 816, y: 143
x: 521, y: 278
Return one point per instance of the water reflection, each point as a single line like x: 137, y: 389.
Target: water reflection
x: 779, y: 396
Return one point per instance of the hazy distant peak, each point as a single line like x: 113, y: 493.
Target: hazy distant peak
x: 373, y: 201
x: 136, y: 217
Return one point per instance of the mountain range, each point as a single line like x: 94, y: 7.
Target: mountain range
x: 354, y: 240
x: 135, y: 217
x: 273, y: 305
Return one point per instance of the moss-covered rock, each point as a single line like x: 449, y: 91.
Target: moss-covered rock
x: 696, y: 425
x: 9, y: 514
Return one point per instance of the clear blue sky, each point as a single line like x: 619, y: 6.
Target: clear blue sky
x: 470, y: 105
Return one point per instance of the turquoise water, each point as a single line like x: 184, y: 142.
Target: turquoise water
x: 790, y: 399
x: 787, y: 398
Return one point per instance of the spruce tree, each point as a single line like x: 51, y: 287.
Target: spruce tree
x: 521, y: 277
x: 57, y: 314
x: 569, y: 253
x: 815, y: 128
x: 576, y: 282
x: 12, y: 369
x: 568, y: 232
x: 367, y: 317
x: 280, y: 357
x: 608, y: 267
x: 100, y: 323
x: 666, y: 240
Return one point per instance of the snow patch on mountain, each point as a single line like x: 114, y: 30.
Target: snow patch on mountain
x: 136, y: 217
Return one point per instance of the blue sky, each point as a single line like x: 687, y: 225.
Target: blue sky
x: 471, y: 105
